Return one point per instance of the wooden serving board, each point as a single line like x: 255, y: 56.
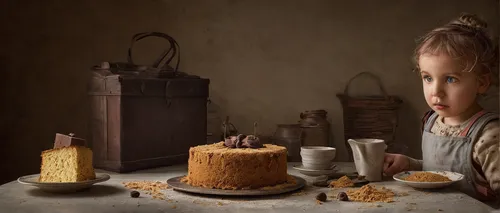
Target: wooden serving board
x: 176, y: 184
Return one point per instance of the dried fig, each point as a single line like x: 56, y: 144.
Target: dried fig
x: 239, y: 140
x: 134, y: 194
x: 321, y: 197
x: 230, y: 142
x: 342, y: 196
x: 252, y: 141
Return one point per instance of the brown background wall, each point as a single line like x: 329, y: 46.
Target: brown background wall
x: 267, y: 60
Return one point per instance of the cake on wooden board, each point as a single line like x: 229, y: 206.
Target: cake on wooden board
x: 68, y: 161
x: 240, y: 162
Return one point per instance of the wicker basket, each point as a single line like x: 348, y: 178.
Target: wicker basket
x: 374, y: 116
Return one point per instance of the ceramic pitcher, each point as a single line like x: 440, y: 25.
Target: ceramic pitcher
x: 368, y: 157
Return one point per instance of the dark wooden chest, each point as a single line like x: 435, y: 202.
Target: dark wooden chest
x: 140, y: 119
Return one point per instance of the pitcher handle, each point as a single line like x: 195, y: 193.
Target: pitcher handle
x: 360, y: 151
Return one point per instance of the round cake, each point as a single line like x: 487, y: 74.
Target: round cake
x: 221, y: 166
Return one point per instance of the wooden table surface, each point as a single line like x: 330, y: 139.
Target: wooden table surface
x: 112, y: 196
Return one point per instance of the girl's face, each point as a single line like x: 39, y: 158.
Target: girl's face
x: 448, y: 89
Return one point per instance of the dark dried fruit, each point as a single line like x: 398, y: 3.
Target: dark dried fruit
x: 252, y: 141
x: 229, y: 142
x: 243, y: 141
x: 240, y: 137
x: 321, y: 197
x: 239, y: 144
x: 134, y: 194
x: 239, y: 140
x: 342, y: 196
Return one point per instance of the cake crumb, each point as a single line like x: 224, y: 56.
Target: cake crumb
x: 219, y: 204
x: 289, y: 182
x: 199, y: 202
x: 402, y: 194
x: 369, y: 193
x: 299, y: 193
x: 342, y: 182
x: 427, y: 177
x: 174, y: 207
x: 152, y: 188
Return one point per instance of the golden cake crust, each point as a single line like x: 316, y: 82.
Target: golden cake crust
x: 67, y: 164
x: 217, y: 166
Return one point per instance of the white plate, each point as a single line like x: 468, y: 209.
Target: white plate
x: 62, y: 187
x: 314, y: 172
x: 453, y: 176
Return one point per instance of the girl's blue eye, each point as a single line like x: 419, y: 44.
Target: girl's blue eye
x: 427, y: 78
x: 451, y: 79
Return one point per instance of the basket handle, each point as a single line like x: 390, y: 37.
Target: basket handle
x: 174, y: 50
x: 346, y: 89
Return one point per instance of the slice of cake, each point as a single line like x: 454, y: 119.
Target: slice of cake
x: 67, y: 161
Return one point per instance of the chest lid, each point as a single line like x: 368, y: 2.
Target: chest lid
x: 158, y: 79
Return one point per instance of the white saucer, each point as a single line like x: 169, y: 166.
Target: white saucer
x: 453, y: 176
x: 314, y: 172
x: 62, y: 187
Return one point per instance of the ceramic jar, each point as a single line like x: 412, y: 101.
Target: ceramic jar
x: 289, y: 136
x: 316, y: 128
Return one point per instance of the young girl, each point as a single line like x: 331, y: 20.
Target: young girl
x: 457, y: 64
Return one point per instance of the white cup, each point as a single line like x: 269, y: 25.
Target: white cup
x: 317, y: 157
